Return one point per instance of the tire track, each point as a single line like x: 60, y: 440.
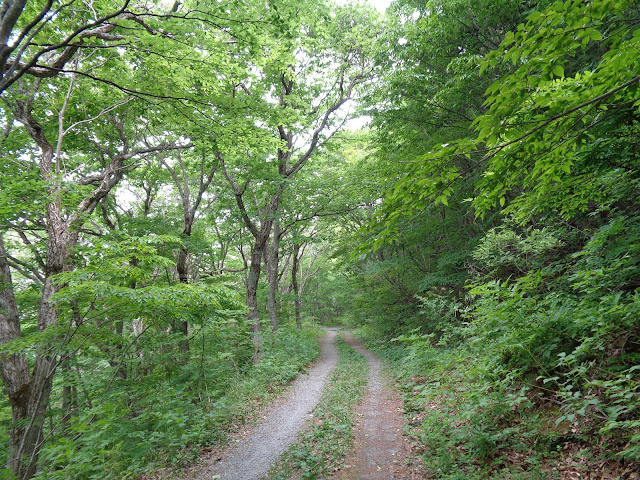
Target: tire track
x: 254, y: 454
x: 381, y: 451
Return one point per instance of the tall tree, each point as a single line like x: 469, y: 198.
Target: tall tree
x: 79, y: 151
x: 191, y: 201
x: 63, y: 222
x: 308, y: 110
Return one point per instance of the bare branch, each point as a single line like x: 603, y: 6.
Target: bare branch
x: 103, y: 112
x: 111, y: 176
x: 24, y: 269
x: 238, y: 192
x: 98, y: 29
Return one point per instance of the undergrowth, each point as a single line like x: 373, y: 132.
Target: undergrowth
x: 466, y: 424
x: 461, y: 429
x: 329, y: 437
x: 167, y: 417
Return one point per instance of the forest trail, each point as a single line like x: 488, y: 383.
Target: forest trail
x: 255, y: 452
x: 381, y: 450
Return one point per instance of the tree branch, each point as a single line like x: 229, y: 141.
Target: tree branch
x: 23, y: 267
x: 238, y: 192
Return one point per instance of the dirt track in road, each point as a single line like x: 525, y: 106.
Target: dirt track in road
x: 381, y: 451
x: 254, y: 453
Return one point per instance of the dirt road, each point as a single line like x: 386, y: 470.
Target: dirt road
x: 380, y: 449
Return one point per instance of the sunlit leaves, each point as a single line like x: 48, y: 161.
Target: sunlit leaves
x: 536, y: 123
x: 128, y: 279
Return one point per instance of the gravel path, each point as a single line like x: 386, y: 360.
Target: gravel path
x: 380, y: 448
x: 252, y: 456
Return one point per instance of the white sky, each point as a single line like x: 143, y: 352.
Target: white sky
x: 381, y: 5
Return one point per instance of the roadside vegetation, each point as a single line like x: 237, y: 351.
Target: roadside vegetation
x: 501, y: 269
x: 322, y: 447
x: 465, y: 422
x: 163, y: 419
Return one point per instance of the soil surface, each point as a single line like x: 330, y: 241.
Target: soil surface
x: 252, y: 454
x: 381, y: 451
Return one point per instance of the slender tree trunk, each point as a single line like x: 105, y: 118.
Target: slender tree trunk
x: 272, y: 263
x: 294, y: 284
x: 183, y: 276
x: 69, y: 390
x: 69, y: 395
x: 120, y: 364
x: 189, y: 207
x: 317, y: 306
x: 261, y: 237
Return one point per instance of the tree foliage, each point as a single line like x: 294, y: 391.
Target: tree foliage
x: 542, y: 173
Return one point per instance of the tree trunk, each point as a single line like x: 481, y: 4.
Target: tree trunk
x: 189, y: 208
x: 29, y: 396
x: 257, y: 252
x: 30, y: 408
x: 14, y: 368
x: 272, y: 262
x: 183, y: 276
x: 317, y: 304
x: 69, y: 395
x: 294, y: 284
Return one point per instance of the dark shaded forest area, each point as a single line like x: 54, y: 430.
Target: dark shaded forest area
x: 190, y: 190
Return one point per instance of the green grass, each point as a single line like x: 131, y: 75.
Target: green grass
x: 329, y: 436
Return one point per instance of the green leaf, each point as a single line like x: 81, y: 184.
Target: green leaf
x: 558, y: 70
x: 595, y: 35
x: 509, y: 38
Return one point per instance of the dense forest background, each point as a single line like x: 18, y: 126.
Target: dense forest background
x: 184, y: 197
